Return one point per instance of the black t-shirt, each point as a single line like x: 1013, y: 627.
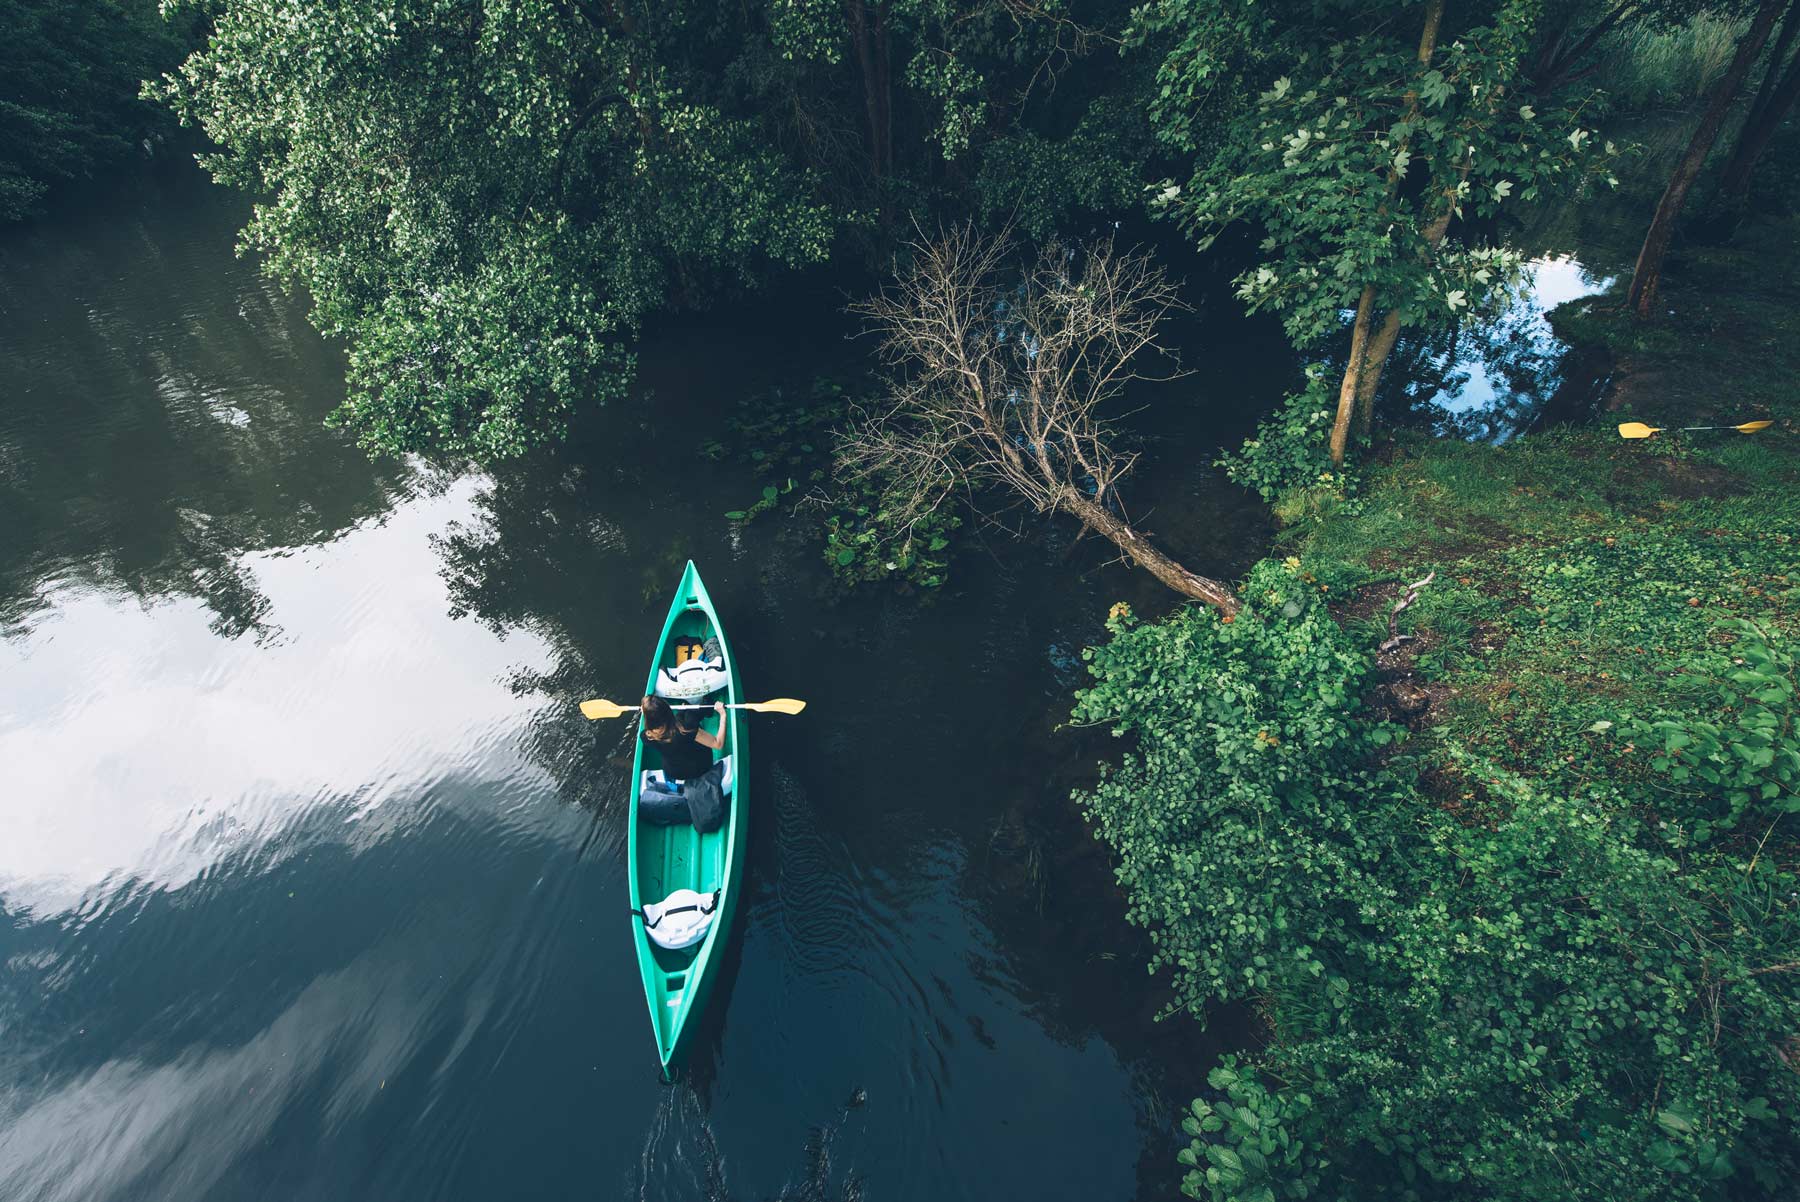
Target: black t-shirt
x: 682, y: 758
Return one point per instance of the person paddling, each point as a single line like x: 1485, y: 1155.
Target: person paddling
x: 686, y: 754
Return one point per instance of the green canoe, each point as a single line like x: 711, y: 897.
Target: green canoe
x: 666, y: 858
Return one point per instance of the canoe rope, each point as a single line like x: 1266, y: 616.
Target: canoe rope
x: 706, y: 907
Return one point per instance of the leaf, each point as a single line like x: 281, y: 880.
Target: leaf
x: 1674, y: 1121
x: 846, y: 557
x: 736, y: 515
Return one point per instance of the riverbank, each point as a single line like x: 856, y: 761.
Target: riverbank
x: 1515, y: 893
x: 1572, y: 565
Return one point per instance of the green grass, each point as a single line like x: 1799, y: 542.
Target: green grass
x: 1726, y: 345
x: 1577, y: 570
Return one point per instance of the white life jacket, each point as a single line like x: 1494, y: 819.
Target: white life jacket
x: 681, y: 919
x: 696, y: 678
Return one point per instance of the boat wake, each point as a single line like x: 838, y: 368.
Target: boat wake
x: 819, y: 911
x: 681, y: 1159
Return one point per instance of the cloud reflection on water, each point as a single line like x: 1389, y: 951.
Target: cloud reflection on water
x: 140, y: 744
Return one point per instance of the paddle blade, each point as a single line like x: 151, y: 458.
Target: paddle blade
x: 1752, y: 427
x: 781, y: 705
x: 598, y: 709
x: 1635, y: 430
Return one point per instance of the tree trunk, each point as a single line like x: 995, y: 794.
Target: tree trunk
x: 1105, y: 522
x: 1379, y: 347
x: 1374, y: 359
x: 1351, y: 386
x: 1555, y: 64
x: 1783, y: 41
x: 871, y: 47
x: 1647, y: 274
x: 1734, y: 187
x: 885, y: 89
x: 1359, y: 343
x: 1773, y: 100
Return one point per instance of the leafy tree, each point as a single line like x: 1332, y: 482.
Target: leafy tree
x: 1375, y: 128
x: 968, y: 67
x: 486, y: 197
x: 69, y: 78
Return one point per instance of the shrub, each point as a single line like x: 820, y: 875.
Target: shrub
x: 1255, y: 1157
x: 1735, y: 750
x: 1235, y: 842
x: 1536, y: 998
x: 1288, y: 463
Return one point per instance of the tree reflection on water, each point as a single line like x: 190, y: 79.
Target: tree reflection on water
x: 1494, y: 381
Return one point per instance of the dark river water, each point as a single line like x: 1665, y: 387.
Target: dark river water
x: 311, y: 875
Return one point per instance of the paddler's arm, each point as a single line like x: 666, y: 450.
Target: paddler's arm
x: 705, y: 737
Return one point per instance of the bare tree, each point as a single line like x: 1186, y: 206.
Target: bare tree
x: 1005, y: 379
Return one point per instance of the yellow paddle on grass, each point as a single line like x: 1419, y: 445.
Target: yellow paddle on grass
x: 599, y: 708
x: 1640, y: 430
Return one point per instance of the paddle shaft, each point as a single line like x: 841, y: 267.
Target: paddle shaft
x: 598, y: 708
x: 1640, y: 430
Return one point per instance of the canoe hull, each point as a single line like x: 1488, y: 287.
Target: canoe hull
x: 661, y: 859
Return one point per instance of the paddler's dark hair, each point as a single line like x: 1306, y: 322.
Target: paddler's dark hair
x: 659, y: 720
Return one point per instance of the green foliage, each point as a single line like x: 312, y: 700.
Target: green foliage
x: 1519, y: 996
x: 1042, y: 184
x: 787, y: 436
x: 1243, y: 1147
x: 485, y: 199
x: 1734, y: 750
x: 69, y: 77
x: 1236, y: 843
x: 1288, y: 462
x: 1524, y: 954
x: 867, y: 537
x: 870, y: 539
x: 1352, y: 149
x: 968, y: 66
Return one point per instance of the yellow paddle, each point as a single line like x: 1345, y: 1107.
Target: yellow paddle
x: 598, y: 708
x: 1640, y: 430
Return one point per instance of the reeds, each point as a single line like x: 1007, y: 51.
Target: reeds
x: 1646, y: 66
